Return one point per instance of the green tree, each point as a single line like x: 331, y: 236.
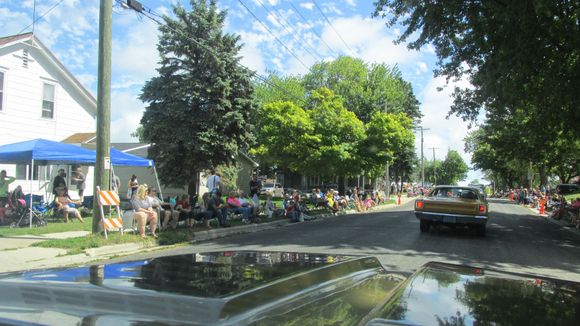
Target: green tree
x: 364, y: 88
x: 321, y: 140
x: 199, y: 106
x: 387, y: 136
x: 453, y: 169
x: 340, y: 133
x: 285, y: 134
x: 276, y: 88
x: 515, y: 53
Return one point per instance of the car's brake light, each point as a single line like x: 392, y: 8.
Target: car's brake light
x: 482, y: 209
x: 419, y: 204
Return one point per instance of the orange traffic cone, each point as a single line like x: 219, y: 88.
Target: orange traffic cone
x: 399, y: 199
x: 542, y: 209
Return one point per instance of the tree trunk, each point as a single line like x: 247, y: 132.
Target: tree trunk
x: 193, y: 186
x: 543, y: 177
x: 340, y: 182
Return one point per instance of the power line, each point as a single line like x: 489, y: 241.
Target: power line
x: 315, y: 33
x: 332, y: 26
x: 271, y: 33
x: 149, y: 13
x: 287, y: 28
x: 40, y: 17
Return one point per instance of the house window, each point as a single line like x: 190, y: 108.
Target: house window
x: 23, y: 172
x: 1, y: 90
x: 48, y: 101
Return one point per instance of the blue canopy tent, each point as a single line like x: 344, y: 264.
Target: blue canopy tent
x: 120, y: 158
x: 44, y: 152
x: 47, y: 152
x: 123, y: 159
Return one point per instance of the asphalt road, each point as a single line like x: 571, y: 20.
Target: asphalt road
x: 516, y: 241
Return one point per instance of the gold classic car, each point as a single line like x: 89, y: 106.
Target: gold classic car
x: 453, y: 206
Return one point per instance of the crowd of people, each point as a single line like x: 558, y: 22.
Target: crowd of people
x: 556, y: 205
x: 152, y: 212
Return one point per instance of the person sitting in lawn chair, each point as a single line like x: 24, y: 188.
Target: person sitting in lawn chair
x: 164, y: 212
x: 234, y: 205
x: 144, y: 212
x: 63, y: 205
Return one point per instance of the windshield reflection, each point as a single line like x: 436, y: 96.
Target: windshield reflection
x: 444, y: 297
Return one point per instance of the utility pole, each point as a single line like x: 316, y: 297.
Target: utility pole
x: 103, y: 160
x: 388, y: 177
x: 422, y: 157
x: 434, y: 169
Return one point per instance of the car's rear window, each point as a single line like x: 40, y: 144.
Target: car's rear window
x: 463, y: 193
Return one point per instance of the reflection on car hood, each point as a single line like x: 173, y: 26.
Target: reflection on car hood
x: 265, y: 288
x: 443, y: 294
x: 210, y: 288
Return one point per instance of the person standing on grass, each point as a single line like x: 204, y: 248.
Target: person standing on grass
x: 59, y: 182
x: 213, y: 182
x: 255, y: 185
x: 132, y: 186
x: 5, y: 180
x: 78, y: 177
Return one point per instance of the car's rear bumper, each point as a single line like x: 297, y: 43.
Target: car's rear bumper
x: 446, y: 218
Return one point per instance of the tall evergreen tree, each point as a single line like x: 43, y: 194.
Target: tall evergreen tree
x: 200, y: 104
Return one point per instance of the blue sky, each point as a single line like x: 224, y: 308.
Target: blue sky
x: 70, y: 30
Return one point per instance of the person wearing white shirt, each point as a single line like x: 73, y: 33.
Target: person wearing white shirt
x: 213, y: 182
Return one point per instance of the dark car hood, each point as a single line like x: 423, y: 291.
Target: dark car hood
x: 265, y: 288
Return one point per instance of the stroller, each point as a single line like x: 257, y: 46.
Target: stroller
x: 21, y: 211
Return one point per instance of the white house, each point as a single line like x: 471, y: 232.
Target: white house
x: 39, y: 98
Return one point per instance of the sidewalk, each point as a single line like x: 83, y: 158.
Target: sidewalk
x: 17, y: 254
x: 561, y: 223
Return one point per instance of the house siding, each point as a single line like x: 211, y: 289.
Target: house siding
x: 21, y: 117
x: 21, y: 114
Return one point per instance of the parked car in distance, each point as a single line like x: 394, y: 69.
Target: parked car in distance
x: 453, y: 206
x: 565, y: 189
x: 274, y: 189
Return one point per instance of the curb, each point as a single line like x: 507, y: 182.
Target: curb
x: 117, y: 249
x: 252, y: 228
x: 563, y: 226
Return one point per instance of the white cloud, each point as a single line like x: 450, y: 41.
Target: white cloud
x: 369, y: 39
x: 422, y: 68
x: 444, y: 134
x: 307, y: 5
x: 252, y: 57
x: 126, y: 110
x: 352, y: 3
x: 135, y: 53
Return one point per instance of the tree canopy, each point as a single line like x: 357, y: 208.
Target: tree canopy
x: 200, y: 103
x: 447, y: 172
x: 518, y: 54
x: 365, y: 88
x: 346, y: 100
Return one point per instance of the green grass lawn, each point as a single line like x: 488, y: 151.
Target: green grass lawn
x: 51, y: 227
x: 78, y: 245
x: 571, y: 197
x: 169, y: 237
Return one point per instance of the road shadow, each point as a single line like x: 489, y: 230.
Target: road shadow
x: 513, y: 238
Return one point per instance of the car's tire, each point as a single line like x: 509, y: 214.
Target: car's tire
x: 424, y: 226
x: 480, y: 230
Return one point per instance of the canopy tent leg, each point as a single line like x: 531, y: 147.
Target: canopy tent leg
x: 157, y: 179
x: 31, y: 194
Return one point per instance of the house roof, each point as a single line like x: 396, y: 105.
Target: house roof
x: 80, y: 138
x: 14, y: 38
x: 32, y: 41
